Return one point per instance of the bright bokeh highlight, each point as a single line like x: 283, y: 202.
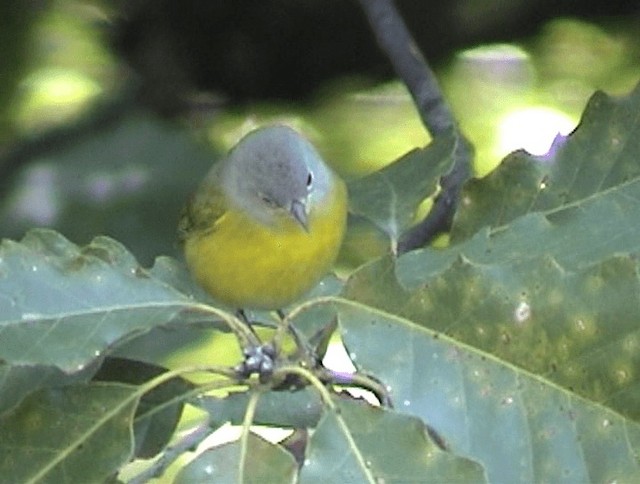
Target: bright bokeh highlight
x: 53, y: 95
x: 532, y: 129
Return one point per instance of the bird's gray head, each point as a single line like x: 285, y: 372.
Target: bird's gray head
x: 274, y: 169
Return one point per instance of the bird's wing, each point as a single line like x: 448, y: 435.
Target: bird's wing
x: 203, y: 210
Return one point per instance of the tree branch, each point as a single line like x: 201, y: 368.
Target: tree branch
x: 397, y: 43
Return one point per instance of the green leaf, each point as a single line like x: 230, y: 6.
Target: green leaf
x: 79, y: 433
x: 297, y: 409
x: 17, y: 381
x: 390, y: 197
x: 259, y: 461
x: 519, y: 343
x: 601, y: 156
x: 63, y: 306
x: 519, y: 426
x: 578, y: 204
x: 577, y: 329
x: 554, y: 289
x: 352, y: 444
x: 159, y: 410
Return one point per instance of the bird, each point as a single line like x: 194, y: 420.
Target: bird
x: 266, y: 223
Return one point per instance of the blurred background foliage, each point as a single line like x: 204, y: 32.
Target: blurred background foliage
x: 111, y: 111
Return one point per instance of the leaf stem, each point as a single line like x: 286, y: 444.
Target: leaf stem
x: 246, y: 430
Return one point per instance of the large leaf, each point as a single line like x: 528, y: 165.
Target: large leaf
x: 352, y: 444
x: 64, y: 307
x: 519, y: 426
x: 554, y: 291
x: 72, y: 434
x: 577, y: 329
x: 530, y: 361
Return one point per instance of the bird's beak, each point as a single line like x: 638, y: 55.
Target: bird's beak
x: 299, y: 212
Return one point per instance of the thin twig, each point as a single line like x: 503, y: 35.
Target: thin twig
x: 357, y: 380
x: 397, y: 43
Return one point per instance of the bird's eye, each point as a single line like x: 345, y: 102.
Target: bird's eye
x: 309, y: 181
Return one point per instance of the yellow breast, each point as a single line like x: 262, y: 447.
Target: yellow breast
x: 246, y: 264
